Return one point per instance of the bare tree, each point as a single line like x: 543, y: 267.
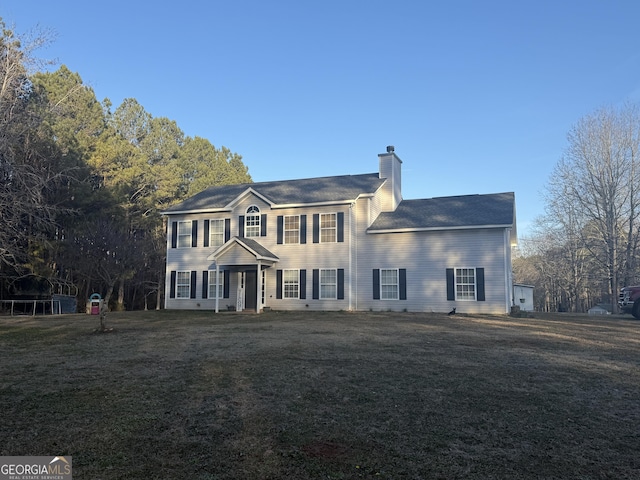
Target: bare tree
x: 26, y: 176
x: 592, y: 195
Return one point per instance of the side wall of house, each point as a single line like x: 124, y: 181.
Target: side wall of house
x: 425, y: 258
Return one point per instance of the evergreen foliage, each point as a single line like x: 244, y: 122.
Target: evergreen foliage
x: 82, y: 187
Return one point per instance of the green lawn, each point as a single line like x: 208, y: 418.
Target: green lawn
x: 187, y: 395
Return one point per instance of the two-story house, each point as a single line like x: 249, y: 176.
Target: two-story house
x: 340, y: 243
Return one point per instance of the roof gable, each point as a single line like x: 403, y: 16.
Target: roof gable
x: 254, y: 248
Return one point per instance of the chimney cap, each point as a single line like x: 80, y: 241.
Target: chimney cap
x: 390, y: 148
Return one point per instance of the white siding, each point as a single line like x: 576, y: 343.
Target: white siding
x: 426, y: 256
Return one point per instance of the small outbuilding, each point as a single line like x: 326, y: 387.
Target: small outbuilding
x: 523, y: 297
x: 600, y: 310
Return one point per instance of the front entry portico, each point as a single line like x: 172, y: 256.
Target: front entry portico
x: 248, y: 258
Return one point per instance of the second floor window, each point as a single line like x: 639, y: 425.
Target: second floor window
x: 216, y: 233
x: 252, y: 222
x: 328, y: 227
x: 184, y: 234
x: 292, y: 229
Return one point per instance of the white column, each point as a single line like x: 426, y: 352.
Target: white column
x: 259, y: 289
x: 217, y: 281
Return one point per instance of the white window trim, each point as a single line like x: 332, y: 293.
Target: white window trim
x: 212, y: 284
x: 184, y: 235
x: 252, y: 228
x: 284, y: 230
x: 213, y: 221
x: 320, y: 228
x: 335, y: 296
x: 397, y: 284
x: 188, y: 283
x: 475, y: 284
x: 284, y: 290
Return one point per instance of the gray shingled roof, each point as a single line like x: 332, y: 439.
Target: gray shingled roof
x: 257, y: 247
x: 308, y: 190
x: 450, y: 212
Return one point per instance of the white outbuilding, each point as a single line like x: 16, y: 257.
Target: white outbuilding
x: 523, y: 297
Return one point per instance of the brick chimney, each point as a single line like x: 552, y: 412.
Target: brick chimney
x: 391, y: 169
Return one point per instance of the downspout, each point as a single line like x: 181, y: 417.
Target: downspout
x: 507, y: 270
x: 350, y: 254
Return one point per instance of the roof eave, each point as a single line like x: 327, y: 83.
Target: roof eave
x: 432, y: 229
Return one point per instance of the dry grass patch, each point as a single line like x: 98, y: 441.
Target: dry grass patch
x: 324, y: 395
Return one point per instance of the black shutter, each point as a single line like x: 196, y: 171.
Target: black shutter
x: 194, y: 233
x: 451, y: 287
x: 205, y: 284
x: 192, y: 286
x: 376, y: 284
x: 279, y: 284
x: 403, y: 283
x: 480, y: 284
x: 241, y: 226
x: 174, y: 234
x: 227, y: 229
x: 172, y: 284
x: 316, y: 227
x: 341, y: 284
x: 226, y: 281
x: 205, y: 242
x: 279, y: 229
x: 303, y: 284
x: 303, y: 229
x: 340, y: 226
x: 263, y: 225
x: 316, y: 284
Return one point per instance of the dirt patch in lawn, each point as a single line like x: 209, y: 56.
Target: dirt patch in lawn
x: 324, y: 395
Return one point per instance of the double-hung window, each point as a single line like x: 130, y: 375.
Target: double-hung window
x: 184, y: 234
x: 216, y: 233
x: 292, y: 229
x: 252, y: 222
x: 183, y: 284
x: 465, y: 283
x: 328, y: 227
x: 213, y: 284
x: 328, y: 283
x: 291, y: 283
x: 389, y: 284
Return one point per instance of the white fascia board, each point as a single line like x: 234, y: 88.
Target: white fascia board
x: 188, y: 212
x: 434, y: 229
x: 321, y: 204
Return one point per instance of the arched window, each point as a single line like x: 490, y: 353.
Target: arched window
x: 252, y: 222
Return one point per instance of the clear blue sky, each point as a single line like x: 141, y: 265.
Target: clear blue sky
x: 476, y: 96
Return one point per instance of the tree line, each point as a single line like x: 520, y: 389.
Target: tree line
x: 82, y: 183
x: 586, y: 246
